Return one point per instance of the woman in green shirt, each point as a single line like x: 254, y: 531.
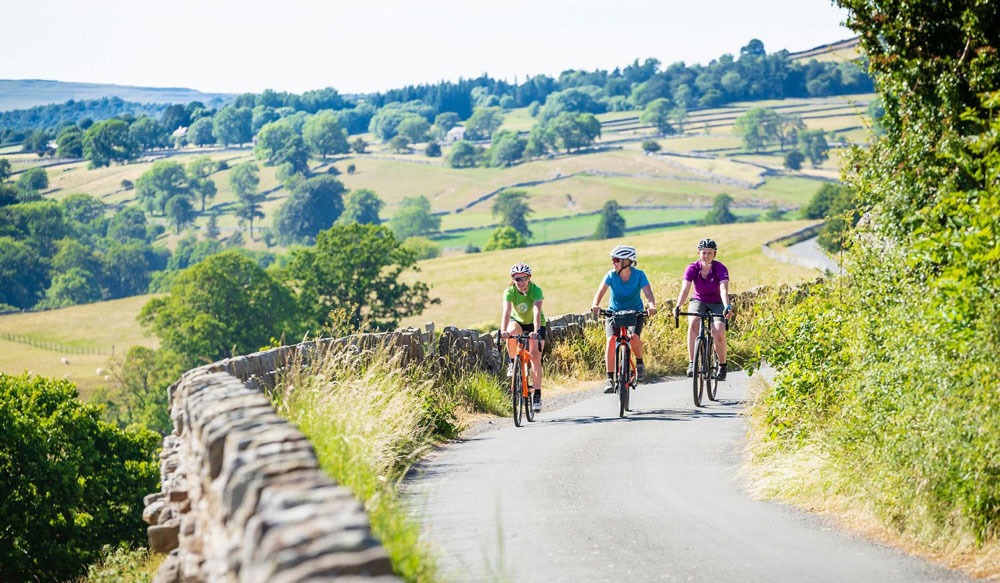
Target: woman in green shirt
x: 521, y: 312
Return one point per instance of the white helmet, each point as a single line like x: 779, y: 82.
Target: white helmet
x: 625, y: 252
x: 520, y: 268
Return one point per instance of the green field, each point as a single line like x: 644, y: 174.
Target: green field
x: 691, y: 169
x: 686, y: 175
x: 469, y: 287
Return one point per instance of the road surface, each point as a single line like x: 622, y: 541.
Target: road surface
x: 582, y: 495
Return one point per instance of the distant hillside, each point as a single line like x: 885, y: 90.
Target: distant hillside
x: 844, y: 50
x: 27, y: 93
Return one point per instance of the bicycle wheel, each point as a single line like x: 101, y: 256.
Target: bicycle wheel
x: 622, y: 378
x: 698, y: 378
x: 529, y: 406
x: 517, y: 397
x: 713, y: 370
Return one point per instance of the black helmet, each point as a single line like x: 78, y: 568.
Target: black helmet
x: 707, y: 244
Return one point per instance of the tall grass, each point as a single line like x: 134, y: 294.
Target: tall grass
x: 856, y: 423
x: 370, y: 418
x: 123, y: 565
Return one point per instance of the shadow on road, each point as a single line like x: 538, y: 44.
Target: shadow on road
x: 652, y: 415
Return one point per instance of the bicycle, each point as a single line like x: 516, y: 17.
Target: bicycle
x: 521, y: 390
x: 706, y: 361
x: 625, y: 374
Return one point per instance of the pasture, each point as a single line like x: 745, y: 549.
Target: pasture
x: 469, y: 286
x: 690, y: 171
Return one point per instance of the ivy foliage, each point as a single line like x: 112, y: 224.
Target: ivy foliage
x: 891, y: 371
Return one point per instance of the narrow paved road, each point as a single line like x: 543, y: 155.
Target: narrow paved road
x: 581, y: 495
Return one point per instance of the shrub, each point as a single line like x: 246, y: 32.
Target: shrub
x: 71, y: 483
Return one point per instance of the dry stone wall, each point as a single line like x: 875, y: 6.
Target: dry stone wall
x: 242, y: 496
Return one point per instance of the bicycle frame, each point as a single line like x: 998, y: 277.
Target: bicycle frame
x: 625, y: 373
x: 520, y: 385
x: 706, y: 361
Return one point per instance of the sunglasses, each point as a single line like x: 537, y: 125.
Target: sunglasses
x: 521, y: 278
x: 615, y: 260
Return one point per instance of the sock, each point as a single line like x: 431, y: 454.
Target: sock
x: 638, y: 361
x: 611, y: 375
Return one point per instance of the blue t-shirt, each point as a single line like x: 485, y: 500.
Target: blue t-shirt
x: 626, y: 295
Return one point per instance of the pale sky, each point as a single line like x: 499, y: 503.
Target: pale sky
x: 363, y: 46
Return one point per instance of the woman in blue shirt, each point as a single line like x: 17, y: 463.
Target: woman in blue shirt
x: 627, y: 285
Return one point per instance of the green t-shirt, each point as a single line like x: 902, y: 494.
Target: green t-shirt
x: 523, y: 304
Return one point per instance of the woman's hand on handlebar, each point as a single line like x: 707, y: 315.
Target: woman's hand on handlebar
x: 596, y: 309
x: 504, y: 334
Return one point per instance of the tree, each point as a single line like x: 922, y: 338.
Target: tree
x: 351, y: 278
x: 233, y: 125
x: 504, y: 237
x: 484, y: 121
x: 222, y: 307
x: 5, y: 169
x: 244, y: 180
x: 24, y: 273
x: 575, y: 131
x: 147, y: 133
x: 141, y: 378
x: 414, y: 219
x: 414, y: 127
x: 323, y: 135
x: 400, y: 144
x: 512, y: 209
x: 756, y: 128
x: 657, y: 113
x: 444, y: 122
x: 126, y: 268
x: 313, y: 205
x: 433, y: 150
x: 127, y: 224
x: 650, y: 146
x: 164, y: 180
x: 109, y: 141
x: 787, y: 128
x: 361, y: 206
x: 720, y: 213
x: 71, y: 287
x: 507, y: 148
x: 279, y: 144
x: 822, y: 201
x: 201, y: 132
x: 180, y: 212
x: 69, y: 143
x: 199, y: 172
x: 814, y: 146
x: 33, y: 180
x: 794, y: 160
x: 611, y: 224
x: 421, y: 248
x: 463, y: 155
x: 71, y: 483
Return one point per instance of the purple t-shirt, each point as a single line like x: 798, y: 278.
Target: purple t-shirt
x: 706, y: 289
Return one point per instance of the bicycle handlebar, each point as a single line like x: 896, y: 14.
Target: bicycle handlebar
x: 603, y: 312
x: 702, y: 315
x: 518, y: 337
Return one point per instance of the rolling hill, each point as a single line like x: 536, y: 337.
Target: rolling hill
x: 27, y: 93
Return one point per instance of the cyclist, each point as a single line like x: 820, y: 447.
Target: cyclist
x: 626, y: 283
x: 710, y: 279
x: 521, y: 311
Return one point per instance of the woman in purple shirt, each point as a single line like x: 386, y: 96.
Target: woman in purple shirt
x: 711, y: 294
